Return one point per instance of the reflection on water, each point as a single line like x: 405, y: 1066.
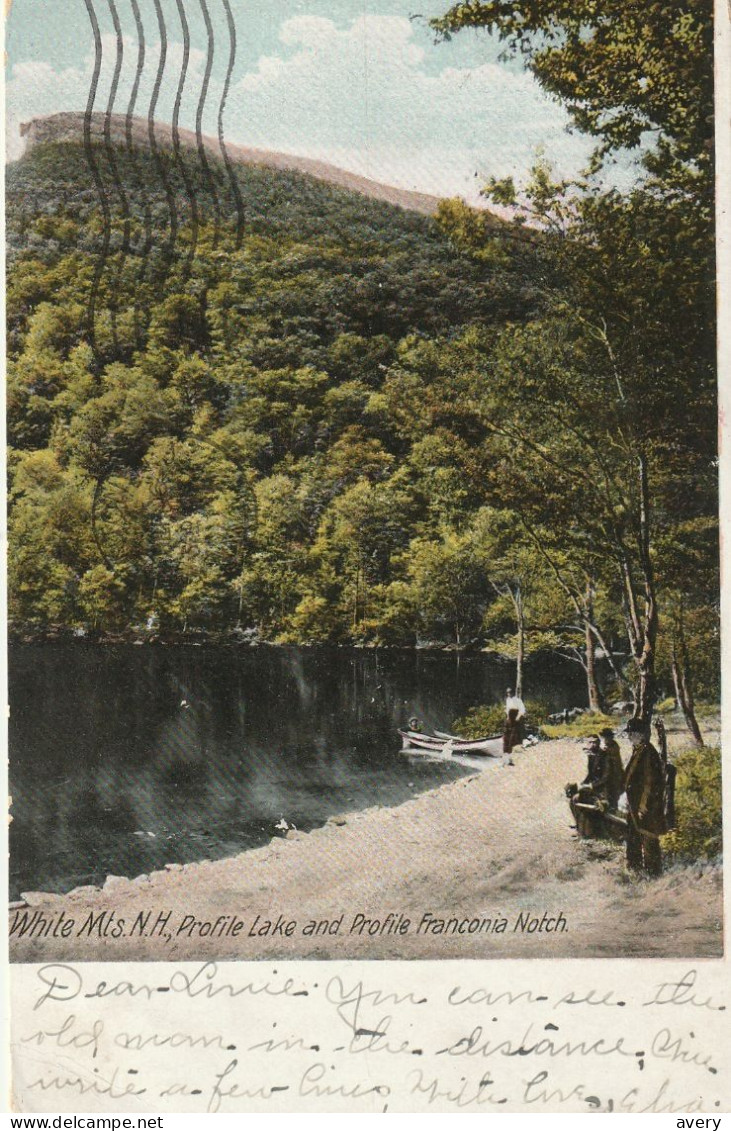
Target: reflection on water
x: 123, y: 759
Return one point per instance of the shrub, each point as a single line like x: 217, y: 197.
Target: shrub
x: 698, y: 806
x: 481, y: 721
x: 537, y: 711
x: 489, y: 719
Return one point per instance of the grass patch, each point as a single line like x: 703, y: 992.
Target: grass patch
x: 708, y: 710
x: 698, y: 806
x: 580, y: 727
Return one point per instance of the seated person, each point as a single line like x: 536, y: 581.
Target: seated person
x: 600, y: 788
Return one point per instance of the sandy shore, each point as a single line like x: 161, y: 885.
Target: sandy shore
x: 495, y: 848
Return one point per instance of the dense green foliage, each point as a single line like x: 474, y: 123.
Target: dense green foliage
x: 489, y: 720
x: 367, y: 426
x: 281, y: 437
x: 593, y: 429
x: 625, y: 71
x: 698, y: 802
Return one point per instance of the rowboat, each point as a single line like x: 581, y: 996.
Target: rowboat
x: 472, y: 761
x: 412, y: 739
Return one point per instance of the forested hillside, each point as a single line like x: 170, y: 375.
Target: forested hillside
x: 273, y: 437
x: 289, y: 412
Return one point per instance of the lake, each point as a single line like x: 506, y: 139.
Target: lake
x: 125, y: 758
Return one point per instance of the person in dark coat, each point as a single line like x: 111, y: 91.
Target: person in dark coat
x: 610, y: 781
x: 512, y: 731
x: 593, y: 759
x: 644, y: 784
x: 587, y: 824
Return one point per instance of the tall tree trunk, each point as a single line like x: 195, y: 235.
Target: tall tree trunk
x: 642, y: 626
x: 520, y: 618
x: 676, y: 682
x: 648, y: 682
x: 599, y: 638
x: 646, y: 692
x: 685, y: 702
x: 683, y: 692
x: 595, y: 698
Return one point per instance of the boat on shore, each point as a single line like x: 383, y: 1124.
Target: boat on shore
x: 450, y: 744
x: 468, y: 761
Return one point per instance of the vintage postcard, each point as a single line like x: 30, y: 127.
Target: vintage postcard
x: 364, y: 603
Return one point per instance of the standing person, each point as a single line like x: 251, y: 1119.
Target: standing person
x: 612, y: 775
x: 514, y: 703
x: 644, y: 784
x: 514, y: 728
x: 512, y: 731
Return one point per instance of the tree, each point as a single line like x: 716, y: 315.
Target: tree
x: 113, y: 431
x: 623, y: 71
x: 570, y: 456
x: 359, y: 535
x: 101, y: 596
x: 689, y: 645
x: 179, y: 323
x: 49, y: 542
x: 618, y: 270
x: 524, y: 590
x: 448, y: 585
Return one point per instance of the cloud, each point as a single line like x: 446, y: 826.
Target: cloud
x: 35, y: 88
x: 366, y: 95
x: 363, y: 96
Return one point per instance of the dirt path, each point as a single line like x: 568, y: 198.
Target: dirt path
x: 497, y: 846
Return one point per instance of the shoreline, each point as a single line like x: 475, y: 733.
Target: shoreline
x: 336, y: 820
x: 230, y: 640
x: 494, y: 849
x: 470, y: 768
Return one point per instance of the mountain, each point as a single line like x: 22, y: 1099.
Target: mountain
x: 67, y: 127
x: 242, y: 398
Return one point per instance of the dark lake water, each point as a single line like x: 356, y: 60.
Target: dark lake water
x: 123, y: 759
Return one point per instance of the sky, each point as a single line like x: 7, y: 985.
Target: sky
x: 359, y: 83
